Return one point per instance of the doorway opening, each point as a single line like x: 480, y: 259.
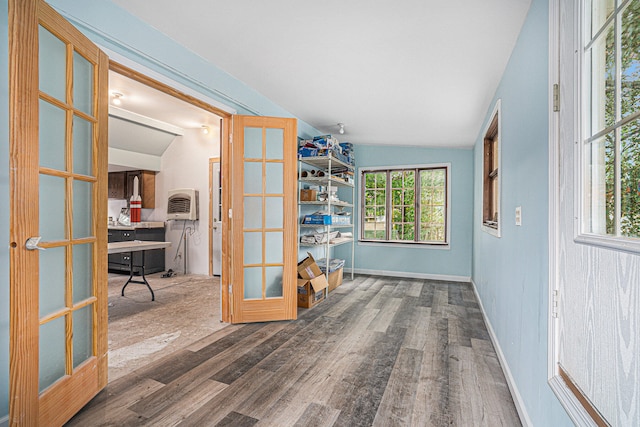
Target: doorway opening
x: 155, y: 133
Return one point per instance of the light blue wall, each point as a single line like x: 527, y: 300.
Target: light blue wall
x: 113, y: 28
x: 4, y: 212
x: 455, y: 261
x: 511, y: 272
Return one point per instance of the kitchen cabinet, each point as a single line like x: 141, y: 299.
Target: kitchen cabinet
x: 117, y: 184
x: 153, y: 259
x: 121, y: 186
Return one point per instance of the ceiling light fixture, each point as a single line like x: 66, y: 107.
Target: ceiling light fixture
x: 341, y: 131
x: 205, y: 129
x: 116, y: 98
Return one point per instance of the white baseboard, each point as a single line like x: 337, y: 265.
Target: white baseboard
x: 4, y: 421
x: 517, y: 399
x: 442, y: 277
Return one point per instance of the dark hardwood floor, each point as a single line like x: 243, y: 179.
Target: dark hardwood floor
x: 380, y: 351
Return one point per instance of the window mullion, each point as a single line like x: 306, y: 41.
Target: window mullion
x: 617, y: 30
x: 417, y: 214
x: 617, y: 183
x: 387, y: 200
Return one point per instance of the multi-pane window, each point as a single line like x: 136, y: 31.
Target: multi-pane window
x: 405, y: 205
x: 611, y: 118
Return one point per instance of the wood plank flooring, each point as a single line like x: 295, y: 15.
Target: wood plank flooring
x: 380, y: 351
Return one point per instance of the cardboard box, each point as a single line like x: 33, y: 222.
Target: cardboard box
x: 311, y: 283
x: 335, y: 279
x: 311, y: 291
x: 308, y: 269
x: 308, y: 195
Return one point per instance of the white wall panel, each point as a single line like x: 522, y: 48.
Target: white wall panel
x: 599, y: 287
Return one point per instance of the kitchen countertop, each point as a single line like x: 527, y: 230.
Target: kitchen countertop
x: 146, y: 224
x: 134, y: 246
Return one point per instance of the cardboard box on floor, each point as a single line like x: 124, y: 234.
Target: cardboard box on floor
x: 311, y: 292
x: 311, y: 284
x: 335, y: 279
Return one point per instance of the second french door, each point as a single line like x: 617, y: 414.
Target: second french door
x: 264, y: 233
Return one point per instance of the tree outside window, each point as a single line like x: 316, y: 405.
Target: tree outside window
x: 611, y: 151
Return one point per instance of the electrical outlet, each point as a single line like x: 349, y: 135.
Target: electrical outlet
x: 518, y: 215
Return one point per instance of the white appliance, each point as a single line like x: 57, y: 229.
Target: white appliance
x: 183, y: 204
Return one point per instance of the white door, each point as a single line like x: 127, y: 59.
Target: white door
x: 599, y: 122
x: 216, y: 221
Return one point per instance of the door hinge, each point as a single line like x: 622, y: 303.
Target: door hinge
x: 230, y: 138
x: 556, y: 304
x: 230, y: 289
x: 556, y: 97
x: 230, y: 214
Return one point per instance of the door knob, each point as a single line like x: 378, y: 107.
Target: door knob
x: 32, y: 244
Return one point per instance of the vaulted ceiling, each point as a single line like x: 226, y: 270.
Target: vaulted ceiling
x: 406, y: 72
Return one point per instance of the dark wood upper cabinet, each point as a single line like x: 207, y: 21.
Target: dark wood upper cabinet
x: 117, y: 184
x: 121, y: 186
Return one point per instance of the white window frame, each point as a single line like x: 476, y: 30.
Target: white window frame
x: 582, y: 80
x: 497, y: 231
x: 406, y: 244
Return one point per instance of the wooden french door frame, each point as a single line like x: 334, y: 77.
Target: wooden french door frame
x: 79, y: 383
x: 246, y: 305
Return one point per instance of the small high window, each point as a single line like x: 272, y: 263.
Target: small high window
x: 491, y: 175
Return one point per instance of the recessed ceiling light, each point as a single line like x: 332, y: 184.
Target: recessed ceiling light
x: 116, y: 98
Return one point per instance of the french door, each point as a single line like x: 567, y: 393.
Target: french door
x: 264, y: 232
x: 58, y: 145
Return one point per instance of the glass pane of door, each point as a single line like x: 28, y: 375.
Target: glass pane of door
x: 52, y: 60
x: 52, y: 352
x: 82, y: 84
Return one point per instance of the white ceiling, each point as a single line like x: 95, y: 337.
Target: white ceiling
x: 409, y: 72
x: 141, y: 99
x: 147, y: 120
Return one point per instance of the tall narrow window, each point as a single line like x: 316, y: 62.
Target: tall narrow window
x: 611, y: 119
x: 407, y: 205
x: 491, y: 175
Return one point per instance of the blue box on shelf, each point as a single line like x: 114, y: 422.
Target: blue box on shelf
x: 308, y: 152
x: 327, y: 219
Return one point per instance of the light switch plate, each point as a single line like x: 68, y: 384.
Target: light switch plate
x: 518, y: 215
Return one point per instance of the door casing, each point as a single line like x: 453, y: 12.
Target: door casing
x: 225, y: 132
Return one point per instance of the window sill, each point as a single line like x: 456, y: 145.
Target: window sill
x: 413, y: 245
x: 491, y: 229
x: 607, y: 242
